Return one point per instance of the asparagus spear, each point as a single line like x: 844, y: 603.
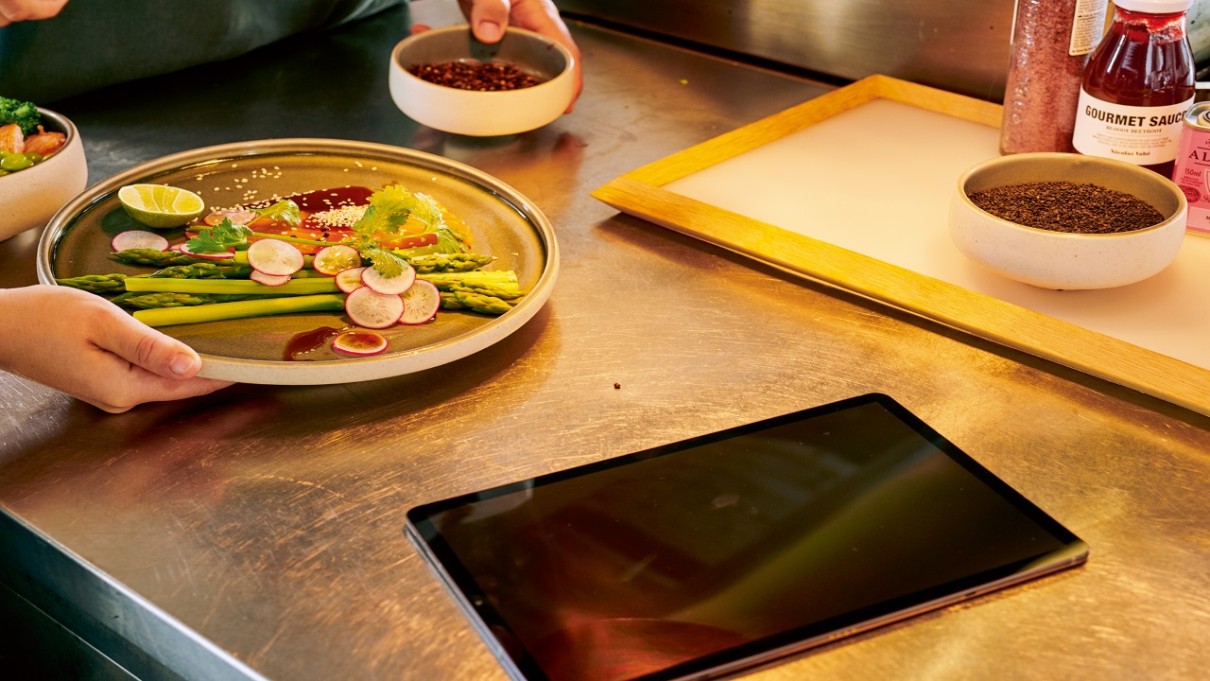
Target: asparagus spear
x: 447, y: 262
x: 303, y: 286
x: 95, y: 283
x: 496, y: 284
x: 204, y: 270
x: 158, y: 299
x: 238, y: 310
x: 463, y: 299
x: 150, y: 256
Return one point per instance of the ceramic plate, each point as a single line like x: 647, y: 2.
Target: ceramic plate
x: 501, y: 222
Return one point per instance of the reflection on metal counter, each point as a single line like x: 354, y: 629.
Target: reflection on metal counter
x: 957, y: 46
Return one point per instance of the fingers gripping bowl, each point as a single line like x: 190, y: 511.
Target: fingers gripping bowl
x: 1067, y: 260
x: 482, y: 113
x: 31, y: 197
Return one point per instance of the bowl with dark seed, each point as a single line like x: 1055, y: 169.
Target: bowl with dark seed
x: 1067, y: 221
x: 446, y: 80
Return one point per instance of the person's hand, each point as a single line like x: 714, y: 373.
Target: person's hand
x: 489, y: 18
x: 12, y: 11
x: 89, y: 348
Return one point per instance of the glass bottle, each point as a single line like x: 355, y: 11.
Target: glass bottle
x: 1050, y: 44
x: 1138, y: 85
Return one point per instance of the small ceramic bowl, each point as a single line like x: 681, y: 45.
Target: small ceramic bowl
x: 30, y: 198
x: 1061, y: 260
x: 482, y: 113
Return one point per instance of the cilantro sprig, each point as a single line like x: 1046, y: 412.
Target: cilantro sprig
x: 221, y: 238
x: 390, y: 209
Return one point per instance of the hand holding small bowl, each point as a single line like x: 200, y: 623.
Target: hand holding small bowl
x: 482, y: 112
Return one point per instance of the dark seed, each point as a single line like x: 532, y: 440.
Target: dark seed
x: 475, y: 75
x: 1068, y: 207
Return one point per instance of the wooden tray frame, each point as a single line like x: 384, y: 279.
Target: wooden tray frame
x: 641, y: 193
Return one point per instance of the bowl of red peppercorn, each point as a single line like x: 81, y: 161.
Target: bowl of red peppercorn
x: 1067, y: 221
x: 444, y: 79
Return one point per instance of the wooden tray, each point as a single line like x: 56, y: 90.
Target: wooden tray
x: 852, y: 189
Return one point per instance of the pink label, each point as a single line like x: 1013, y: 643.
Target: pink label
x: 1192, y: 175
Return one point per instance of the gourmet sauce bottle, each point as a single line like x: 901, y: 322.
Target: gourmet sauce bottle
x: 1137, y: 86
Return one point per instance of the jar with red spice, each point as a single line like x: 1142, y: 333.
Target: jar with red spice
x: 1137, y: 86
x: 1050, y: 44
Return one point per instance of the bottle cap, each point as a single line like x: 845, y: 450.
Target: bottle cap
x: 1155, y: 6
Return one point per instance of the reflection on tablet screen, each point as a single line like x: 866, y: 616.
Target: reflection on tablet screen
x: 724, y: 551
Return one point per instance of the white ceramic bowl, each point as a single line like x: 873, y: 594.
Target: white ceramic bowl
x: 30, y: 198
x: 1060, y: 260
x: 480, y: 113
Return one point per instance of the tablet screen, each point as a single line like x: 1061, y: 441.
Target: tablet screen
x: 714, y: 554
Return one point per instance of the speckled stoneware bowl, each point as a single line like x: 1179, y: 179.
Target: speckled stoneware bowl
x: 482, y: 113
x: 30, y: 198
x: 1060, y: 260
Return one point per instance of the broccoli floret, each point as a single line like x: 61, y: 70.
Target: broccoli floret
x: 24, y: 114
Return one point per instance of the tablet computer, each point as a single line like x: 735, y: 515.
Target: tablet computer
x: 707, y: 557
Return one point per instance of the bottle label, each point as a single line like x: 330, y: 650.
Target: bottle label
x: 1142, y: 135
x: 1087, y: 26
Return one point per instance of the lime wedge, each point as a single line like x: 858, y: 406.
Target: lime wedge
x: 160, y: 205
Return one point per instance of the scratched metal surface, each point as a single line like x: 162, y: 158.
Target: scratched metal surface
x: 258, y: 531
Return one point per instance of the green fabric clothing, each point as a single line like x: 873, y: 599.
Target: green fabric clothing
x: 94, y: 43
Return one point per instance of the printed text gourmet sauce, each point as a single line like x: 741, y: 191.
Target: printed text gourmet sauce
x: 1137, y: 86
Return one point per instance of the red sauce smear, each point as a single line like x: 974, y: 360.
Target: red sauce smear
x: 306, y: 345
x: 327, y: 199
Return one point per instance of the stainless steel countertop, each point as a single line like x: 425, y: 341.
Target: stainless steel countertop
x: 258, y: 531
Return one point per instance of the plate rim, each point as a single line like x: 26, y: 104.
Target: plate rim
x: 353, y: 369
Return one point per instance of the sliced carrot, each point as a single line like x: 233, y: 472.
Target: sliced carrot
x: 45, y: 143
x: 11, y: 139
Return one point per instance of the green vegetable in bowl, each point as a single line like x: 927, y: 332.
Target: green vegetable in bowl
x: 23, y: 141
x: 24, y: 114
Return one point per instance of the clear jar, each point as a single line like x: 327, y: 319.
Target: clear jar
x: 1138, y: 85
x: 1051, y: 41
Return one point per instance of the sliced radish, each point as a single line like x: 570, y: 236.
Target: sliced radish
x: 222, y: 255
x: 396, y: 284
x: 373, y: 310
x: 137, y: 238
x: 333, y: 260
x: 360, y: 342
x: 239, y: 217
x: 269, y: 279
x: 349, y: 280
x: 420, y: 303
x: 274, y: 256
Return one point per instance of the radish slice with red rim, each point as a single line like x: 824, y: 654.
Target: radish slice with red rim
x: 333, y: 260
x: 349, y: 280
x: 397, y: 284
x: 274, y: 256
x: 373, y: 310
x: 269, y: 279
x: 360, y: 342
x: 239, y: 217
x: 137, y: 238
x: 420, y: 303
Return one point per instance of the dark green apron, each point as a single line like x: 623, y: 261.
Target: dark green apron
x: 93, y: 43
